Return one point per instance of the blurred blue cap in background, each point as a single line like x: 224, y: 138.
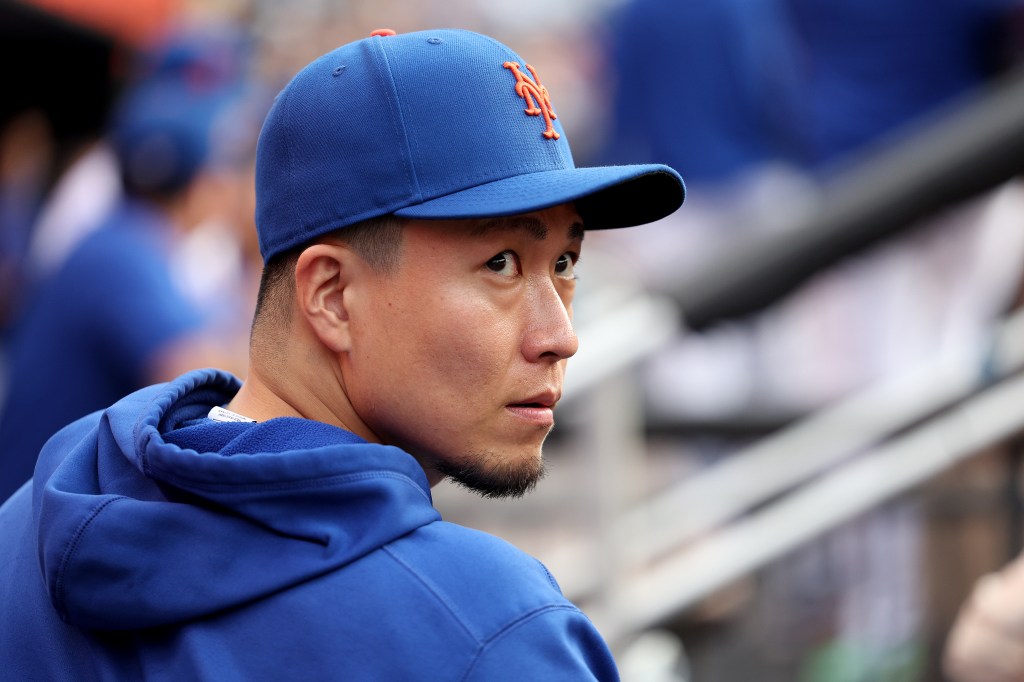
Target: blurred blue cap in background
x: 174, y: 118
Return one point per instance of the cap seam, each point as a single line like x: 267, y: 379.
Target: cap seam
x: 290, y: 149
x: 381, y: 44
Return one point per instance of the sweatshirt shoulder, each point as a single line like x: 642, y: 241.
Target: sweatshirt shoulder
x: 507, y: 602
x: 483, y: 580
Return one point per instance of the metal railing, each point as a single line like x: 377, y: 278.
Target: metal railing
x: 684, y: 544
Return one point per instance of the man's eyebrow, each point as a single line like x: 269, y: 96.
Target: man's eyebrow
x: 576, y: 231
x: 532, y: 226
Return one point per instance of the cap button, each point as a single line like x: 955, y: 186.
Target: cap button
x: 382, y: 32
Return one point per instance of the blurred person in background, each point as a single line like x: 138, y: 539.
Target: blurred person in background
x: 713, y: 86
x: 760, y: 104
x: 739, y: 56
x: 873, y: 69
x: 45, y: 125
x: 116, y: 313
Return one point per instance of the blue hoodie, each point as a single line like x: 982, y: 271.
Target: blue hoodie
x: 154, y: 543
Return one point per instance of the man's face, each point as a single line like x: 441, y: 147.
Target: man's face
x: 458, y: 355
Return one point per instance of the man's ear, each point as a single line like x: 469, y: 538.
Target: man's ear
x: 323, y: 275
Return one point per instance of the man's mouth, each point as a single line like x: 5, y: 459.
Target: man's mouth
x: 537, y: 409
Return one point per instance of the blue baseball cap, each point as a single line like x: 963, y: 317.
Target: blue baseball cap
x: 441, y: 124
x: 180, y: 108
x: 164, y: 133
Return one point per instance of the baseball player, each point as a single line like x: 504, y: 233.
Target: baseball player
x: 421, y: 219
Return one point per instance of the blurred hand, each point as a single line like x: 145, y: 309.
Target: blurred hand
x: 986, y: 643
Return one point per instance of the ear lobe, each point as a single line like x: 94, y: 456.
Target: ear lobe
x: 322, y: 275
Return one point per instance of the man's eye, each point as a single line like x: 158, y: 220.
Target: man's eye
x: 504, y: 263
x: 565, y: 266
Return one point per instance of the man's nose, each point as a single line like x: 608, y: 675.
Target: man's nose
x: 549, y: 331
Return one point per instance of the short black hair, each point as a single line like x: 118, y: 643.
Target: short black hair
x: 377, y: 240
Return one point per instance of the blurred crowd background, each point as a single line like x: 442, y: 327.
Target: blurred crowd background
x: 122, y: 119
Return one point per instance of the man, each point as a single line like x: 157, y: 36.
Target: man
x: 420, y: 217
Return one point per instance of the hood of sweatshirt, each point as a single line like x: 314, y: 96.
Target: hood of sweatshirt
x: 148, y: 514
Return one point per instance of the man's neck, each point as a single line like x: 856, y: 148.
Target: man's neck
x: 256, y: 401
x: 265, y: 396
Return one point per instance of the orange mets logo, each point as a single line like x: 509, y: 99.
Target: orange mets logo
x: 538, y: 103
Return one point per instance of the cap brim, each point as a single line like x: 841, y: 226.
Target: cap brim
x: 606, y: 196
